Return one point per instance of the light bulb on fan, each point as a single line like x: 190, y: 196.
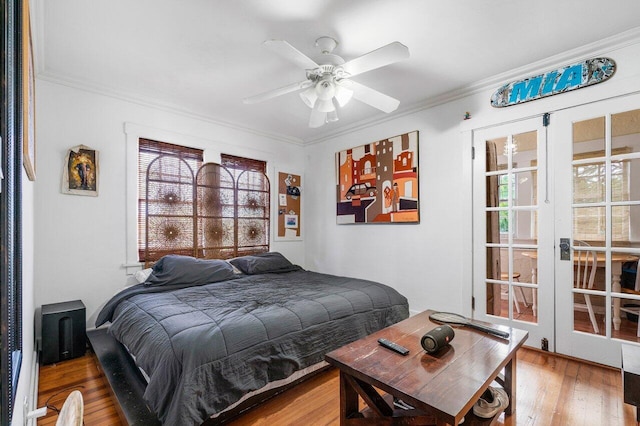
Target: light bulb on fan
x: 325, y: 89
x: 309, y: 96
x: 332, y: 116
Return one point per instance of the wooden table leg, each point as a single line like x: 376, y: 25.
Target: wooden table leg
x: 510, y: 384
x: 349, y: 404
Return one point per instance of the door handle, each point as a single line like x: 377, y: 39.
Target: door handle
x: 565, y: 249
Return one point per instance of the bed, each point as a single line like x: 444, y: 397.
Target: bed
x: 209, y: 332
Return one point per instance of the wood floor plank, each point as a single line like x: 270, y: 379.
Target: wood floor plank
x: 552, y: 390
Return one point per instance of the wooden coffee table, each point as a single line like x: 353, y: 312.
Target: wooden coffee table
x: 442, y: 387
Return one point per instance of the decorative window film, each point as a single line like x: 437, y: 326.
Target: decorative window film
x: 170, y: 184
x: 201, y: 210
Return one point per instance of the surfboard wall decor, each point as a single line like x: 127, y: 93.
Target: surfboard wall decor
x: 561, y: 80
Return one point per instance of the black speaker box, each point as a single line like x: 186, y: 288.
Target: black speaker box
x: 63, y: 331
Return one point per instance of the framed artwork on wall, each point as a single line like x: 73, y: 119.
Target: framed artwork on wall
x: 378, y: 182
x: 289, y: 207
x: 81, y: 170
x: 28, y: 98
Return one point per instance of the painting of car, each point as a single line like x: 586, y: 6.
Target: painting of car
x: 361, y: 189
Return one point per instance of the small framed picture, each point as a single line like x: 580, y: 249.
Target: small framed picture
x: 291, y: 221
x: 80, y: 174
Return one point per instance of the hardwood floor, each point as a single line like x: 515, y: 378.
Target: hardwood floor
x: 57, y: 381
x: 551, y: 390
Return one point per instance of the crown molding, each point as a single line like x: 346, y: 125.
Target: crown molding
x: 154, y: 103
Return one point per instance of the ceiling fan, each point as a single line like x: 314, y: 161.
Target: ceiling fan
x: 328, y: 85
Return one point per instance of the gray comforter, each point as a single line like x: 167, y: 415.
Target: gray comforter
x: 204, y: 347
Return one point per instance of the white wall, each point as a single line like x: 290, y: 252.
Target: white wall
x: 422, y: 261
x: 431, y: 262
x: 80, y: 241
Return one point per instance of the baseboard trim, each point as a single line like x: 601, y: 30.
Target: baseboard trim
x: 32, y: 402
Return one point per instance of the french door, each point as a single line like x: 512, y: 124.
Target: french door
x: 597, y: 213
x: 557, y: 228
x: 513, y: 229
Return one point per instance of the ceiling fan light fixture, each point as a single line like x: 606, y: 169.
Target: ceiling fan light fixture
x: 309, y: 96
x: 332, y: 116
x: 325, y: 89
x: 325, y: 105
x: 343, y: 95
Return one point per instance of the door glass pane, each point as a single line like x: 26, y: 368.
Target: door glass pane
x: 623, y: 218
x: 494, y: 263
x: 588, y: 313
x: 589, y: 182
x: 497, y: 154
x: 523, y: 304
x: 589, y: 224
x: 525, y: 297
x: 588, y: 138
x: 497, y: 190
x: 525, y: 192
x: 622, y: 173
x: 629, y: 313
x: 496, y: 300
x: 624, y: 278
x: 625, y: 132
x: 493, y: 227
x: 524, y: 147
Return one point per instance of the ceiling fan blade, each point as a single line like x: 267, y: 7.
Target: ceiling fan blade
x: 385, y: 55
x: 290, y: 53
x: 374, y: 98
x: 318, y: 118
x: 277, y: 92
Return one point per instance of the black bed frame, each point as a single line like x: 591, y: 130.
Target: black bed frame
x: 127, y: 384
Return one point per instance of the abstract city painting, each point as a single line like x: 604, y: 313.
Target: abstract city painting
x: 378, y: 182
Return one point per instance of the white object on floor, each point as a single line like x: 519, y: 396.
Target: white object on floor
x: 72, y: 411
x: 493, y: 401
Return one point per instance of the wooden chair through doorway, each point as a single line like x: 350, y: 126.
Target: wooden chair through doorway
x: 504, y: 276
x: 586, y: 262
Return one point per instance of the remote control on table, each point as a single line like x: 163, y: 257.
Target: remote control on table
x: 393, y: 346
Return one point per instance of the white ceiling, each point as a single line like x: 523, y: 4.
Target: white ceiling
x: 204, y: 56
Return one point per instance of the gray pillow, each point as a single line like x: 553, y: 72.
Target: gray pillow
x: 176, y: 269
x: 263, y: 263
